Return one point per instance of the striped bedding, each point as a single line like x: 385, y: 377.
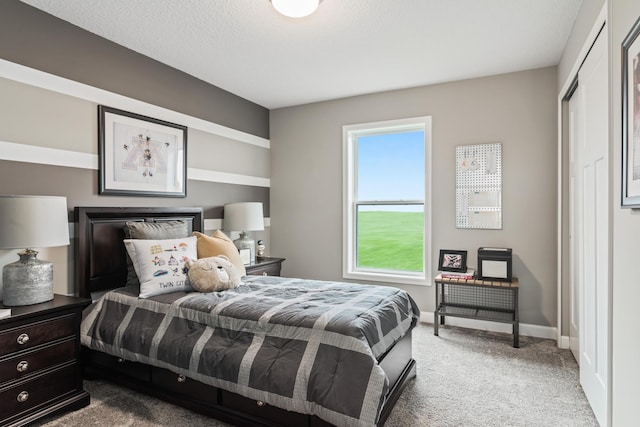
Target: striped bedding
x: 301, y: 345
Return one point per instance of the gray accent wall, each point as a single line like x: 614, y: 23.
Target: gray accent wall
x: 79, y: 187
x: 31, y: 37
x: 56, y: 125
x: 518, y: 109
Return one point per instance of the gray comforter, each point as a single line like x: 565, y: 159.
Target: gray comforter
x: 305, y: 346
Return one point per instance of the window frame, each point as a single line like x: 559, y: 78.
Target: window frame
x: 350, y: 270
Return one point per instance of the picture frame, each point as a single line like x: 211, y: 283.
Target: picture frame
x: 452, y: 260
x: 631, y: 118
x: 140, y: 155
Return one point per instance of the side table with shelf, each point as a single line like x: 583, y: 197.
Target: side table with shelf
x: 265, y: 266
x: 40, y: 372
x: 496, y: 301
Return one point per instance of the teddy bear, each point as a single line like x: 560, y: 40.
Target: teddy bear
x: 212, y: 274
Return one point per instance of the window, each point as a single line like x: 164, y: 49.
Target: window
x: 387, y: 201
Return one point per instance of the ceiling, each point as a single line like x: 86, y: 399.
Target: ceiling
x: 346, y: 48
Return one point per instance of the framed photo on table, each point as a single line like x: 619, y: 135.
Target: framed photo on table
x: 631, y: 118
x: 451, y: 260
x: 141, y: 156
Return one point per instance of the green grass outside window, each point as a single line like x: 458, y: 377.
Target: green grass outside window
x: 391, y: 240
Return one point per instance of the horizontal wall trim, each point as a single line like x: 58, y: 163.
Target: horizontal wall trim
x: 227, y: 178
x: 74, y: 159
x: 41, y: 79
x: 47, y: 156
x: 528, y: 330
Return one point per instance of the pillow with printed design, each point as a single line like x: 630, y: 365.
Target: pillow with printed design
x: 160, y: 264
x: 151, y: 230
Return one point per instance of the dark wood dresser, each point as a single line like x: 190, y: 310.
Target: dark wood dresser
x: 40, y: 372
x: 265, y: 266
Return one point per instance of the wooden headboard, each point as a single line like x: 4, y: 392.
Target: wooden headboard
x: 100, y: 256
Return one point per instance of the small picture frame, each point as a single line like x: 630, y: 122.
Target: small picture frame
x: 245, y: 256
x: 452, y: 260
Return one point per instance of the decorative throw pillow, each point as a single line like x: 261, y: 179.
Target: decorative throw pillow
x: 219, y: 244
x: 160, y: 264
x: 151, y: 230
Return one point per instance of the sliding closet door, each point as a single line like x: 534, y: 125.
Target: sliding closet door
x: 592, y: 226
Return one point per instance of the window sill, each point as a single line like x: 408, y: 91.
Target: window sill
x: 387, y: 278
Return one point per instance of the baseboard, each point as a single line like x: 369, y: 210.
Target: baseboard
x: 528, y: 330
x: 563, y: 342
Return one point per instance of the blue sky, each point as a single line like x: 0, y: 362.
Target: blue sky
x: 391, y: 166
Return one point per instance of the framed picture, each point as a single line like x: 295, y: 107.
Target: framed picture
x: 452, y: 260
x: 140, y: 156
x: 631, y: 118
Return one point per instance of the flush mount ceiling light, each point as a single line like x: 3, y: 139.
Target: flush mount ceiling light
x: 295, y: 8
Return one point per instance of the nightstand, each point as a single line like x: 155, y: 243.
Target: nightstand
x: 265, y: 266
x: 40, y: 372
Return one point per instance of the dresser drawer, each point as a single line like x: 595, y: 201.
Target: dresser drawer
x: 265, y: 266
x: 30, y: 362
x: 267, y: 270
x: 33, y: 334
x: 118, y: 365
x: 43, y: 388
x: 180, y: 384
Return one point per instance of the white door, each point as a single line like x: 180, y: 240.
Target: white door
x: 575, y: 126
x: 592, y: 226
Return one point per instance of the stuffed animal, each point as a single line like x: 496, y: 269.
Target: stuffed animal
x: 212, y: 274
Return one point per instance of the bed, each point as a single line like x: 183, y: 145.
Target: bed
x: 273, y: 399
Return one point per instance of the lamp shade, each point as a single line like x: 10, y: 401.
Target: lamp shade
x: 295, y: 8
x: 33, y: 222
x: 245, y: 216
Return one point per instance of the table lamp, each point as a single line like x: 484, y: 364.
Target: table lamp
x: 31, y: 222
x: 243, y: 217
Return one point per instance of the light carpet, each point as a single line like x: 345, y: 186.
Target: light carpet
x: 465, y: 378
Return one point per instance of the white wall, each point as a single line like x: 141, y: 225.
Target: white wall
x: 517, y: 109
x: 626, y: 244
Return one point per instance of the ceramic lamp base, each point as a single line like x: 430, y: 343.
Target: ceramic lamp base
x: 27, y: 281
x: 245, y: 242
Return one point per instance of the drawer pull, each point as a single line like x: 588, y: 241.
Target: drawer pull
x: 264, y: 273
x: 23, y: 396
x: 120, y: 360
x: 181, y: 378
x: 260, y: 403
x: 22, y: 366
x: 23, y: 339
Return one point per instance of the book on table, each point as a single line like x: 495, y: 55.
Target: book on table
x: 469, y: 274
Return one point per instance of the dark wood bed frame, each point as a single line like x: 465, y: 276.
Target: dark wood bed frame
x: 101, y: 265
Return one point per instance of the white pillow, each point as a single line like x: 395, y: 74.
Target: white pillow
x: 159, y: 264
